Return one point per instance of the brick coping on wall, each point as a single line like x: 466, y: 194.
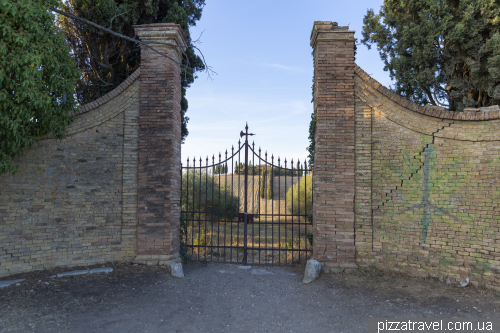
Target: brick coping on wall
x: 109, y: 96
x: 431, y: 111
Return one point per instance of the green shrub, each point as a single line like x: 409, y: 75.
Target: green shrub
x: 302, y: 196
x: 201, y: 192
x: 199, y: 239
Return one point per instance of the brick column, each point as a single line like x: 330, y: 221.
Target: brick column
x: 334, y: 160
x: 159, y: 145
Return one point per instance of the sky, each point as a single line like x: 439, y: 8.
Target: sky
x: 260, y: 51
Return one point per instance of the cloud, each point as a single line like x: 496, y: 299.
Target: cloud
x: 286, y: 68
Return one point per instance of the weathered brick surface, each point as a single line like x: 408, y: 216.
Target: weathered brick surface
x: 159, y: 145
x: 74, y: 201
x: 333, y: 175
x: 427, y: 188
x: 427, y: 180
x: 83, y: 200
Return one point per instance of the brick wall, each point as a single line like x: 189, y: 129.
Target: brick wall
x: 427, y: 182
x: 427, y: 187
x: 333, y: 174
x: 74, y: 201
x: 82, y: 200
x: 159, y: 189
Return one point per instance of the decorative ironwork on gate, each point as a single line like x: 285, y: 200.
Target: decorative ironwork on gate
x: 237, y: 211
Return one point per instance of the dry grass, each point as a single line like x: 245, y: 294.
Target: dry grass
x: 266, y: 243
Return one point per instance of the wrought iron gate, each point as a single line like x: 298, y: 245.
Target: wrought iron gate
x: 237, y: 211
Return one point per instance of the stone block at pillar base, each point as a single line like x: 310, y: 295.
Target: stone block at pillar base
x: 339, y: 267
x: 157, y: 259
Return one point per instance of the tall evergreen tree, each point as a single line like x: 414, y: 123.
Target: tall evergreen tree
x: 263, y: 185
x: 107, y: 60
x: 444, y: 53
x: 37, y: 78
x: 270, y: 185
x: 299, y: 173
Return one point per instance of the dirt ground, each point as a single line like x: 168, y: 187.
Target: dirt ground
x: 225, y: 298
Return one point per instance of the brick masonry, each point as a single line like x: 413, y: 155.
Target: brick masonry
x: 75, y: 201
x: 427, y: 180
x: 159, y: 189
x: 333, y: 174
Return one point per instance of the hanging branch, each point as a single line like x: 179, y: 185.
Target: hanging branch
x: 95, y: 25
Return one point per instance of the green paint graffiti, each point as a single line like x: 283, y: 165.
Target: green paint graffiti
x: 425, y: 204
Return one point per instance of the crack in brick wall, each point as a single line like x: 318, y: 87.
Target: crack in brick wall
x: 427, y: 189
x: 389, y: 194
x: 426, y: 180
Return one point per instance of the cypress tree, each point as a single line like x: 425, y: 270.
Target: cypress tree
x: 107, y: 60
x: 270, y: 186
x: 263, y: 185
x: 444, y: 53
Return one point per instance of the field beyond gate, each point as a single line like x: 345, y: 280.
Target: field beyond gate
x: 247, y: 208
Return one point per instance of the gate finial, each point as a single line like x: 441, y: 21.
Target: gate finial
x: 246, y: 132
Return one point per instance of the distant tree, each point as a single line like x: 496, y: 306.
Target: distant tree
x: 37, y: 78
x: 263, y: 185
x: 444, y: 53
x: 301, y: 196
x: 241, y: 168
x: 208, y: 195
x: 270, y: 185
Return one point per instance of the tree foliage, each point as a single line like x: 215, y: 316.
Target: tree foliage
x: 299, y: 196
x: 207, y: 197
x: 220, y: 169
x: 262, y: 190
x: 444, y: 53
x: 270, y: 184
x: 107, y: 60
x: 37, y: 78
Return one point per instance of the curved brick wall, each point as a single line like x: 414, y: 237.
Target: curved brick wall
x: 74, y: 201
x: 397, y: 185
x: 110, y: 190
x: 427, y: 196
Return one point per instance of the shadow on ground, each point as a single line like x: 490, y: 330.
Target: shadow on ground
x: 225, y: 298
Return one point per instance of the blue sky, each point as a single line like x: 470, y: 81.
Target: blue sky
x: 260, y: 51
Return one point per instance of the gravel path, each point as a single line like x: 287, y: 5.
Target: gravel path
x: 225, y: 298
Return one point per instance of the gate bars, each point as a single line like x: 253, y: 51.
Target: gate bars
x: 263, y: 221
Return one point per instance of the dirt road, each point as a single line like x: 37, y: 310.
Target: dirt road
x: 225, y: 298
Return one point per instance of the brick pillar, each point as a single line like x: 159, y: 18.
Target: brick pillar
x: 159, y: 145
x: 333, y: 176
